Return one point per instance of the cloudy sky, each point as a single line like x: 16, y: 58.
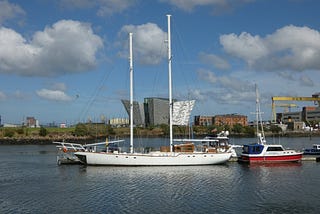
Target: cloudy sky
x: 67, y: 60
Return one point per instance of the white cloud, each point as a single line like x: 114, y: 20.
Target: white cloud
x: 207, y: 76
x: 244, y: 46
x: 109, y: 7
x: 9, y: 11
x: 225, y: 89
x: 148, y: 42
x: 66, y: 47
x: 235, y: 84
x: 215, y: 60
x: 217, y: 6
x: 77, y: 3
x: 55, y: 95
x: 197, y: 95
x: 289, y: 48
x: 104, y: 7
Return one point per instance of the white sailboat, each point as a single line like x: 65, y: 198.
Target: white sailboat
x: 176, y: 155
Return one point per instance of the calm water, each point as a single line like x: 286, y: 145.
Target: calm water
x: 32, y: 182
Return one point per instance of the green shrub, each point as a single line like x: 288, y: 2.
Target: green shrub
x: 43, y: 132
x: 9, y: 132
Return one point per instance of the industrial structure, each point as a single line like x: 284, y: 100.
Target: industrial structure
x: 308, y: 115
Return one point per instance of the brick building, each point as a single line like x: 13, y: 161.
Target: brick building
x: 230, y: 119
x: 220, y: 120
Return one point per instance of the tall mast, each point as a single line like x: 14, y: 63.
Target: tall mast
x: 261, y: 135
x: 131, y: 92
x: 257, y: 111
x: 170, y: 83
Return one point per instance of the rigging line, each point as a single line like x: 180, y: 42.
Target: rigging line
x: 184, y: 55
x: 159, y: 71
x: 97, y: 90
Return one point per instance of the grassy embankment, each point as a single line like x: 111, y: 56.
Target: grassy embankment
x: 87, y: 133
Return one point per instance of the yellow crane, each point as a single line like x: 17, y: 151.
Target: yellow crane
x: 287, y: 106
x: 315, y: 98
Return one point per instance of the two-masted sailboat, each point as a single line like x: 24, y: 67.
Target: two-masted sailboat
x: 176, y: 155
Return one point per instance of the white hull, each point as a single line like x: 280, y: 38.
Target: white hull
x: 153, y: 159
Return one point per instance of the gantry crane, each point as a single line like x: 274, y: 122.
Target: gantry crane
x: 287, y: 106
x: 315, y: 98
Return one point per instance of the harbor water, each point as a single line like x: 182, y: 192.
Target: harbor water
x: 32, y: 182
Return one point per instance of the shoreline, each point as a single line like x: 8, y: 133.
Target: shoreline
x: 37, y: 140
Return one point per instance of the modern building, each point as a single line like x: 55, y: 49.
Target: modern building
x: 138, y: 112
x: 156, y: 111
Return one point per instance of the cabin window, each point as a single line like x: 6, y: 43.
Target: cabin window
x: 256, y: 149
x: 275, y: 148
x: 246, y: 149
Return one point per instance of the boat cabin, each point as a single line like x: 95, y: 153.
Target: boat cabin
x: 186, y: 147
x: 111, y: 147
x: 315, y: 150
x: 258, y: 148
x: 316, y: 146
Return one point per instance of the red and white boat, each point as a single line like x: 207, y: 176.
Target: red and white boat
x: 261, y: 152
x: 267, y: 153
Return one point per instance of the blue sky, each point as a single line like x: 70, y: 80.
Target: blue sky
x: 67, y: 60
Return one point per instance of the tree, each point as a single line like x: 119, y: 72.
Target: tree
x: 110, y: 130
x: 249, y: 130
x: 81, y: 130
x: 43, y: 131
x: 275, y: 129
x: 237, y: 128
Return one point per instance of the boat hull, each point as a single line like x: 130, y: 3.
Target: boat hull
x: 270, y: 158
x: 155, y: 159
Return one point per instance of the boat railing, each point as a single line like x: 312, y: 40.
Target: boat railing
x: 69, y: 147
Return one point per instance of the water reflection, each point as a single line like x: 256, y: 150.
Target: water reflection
x: 32, y: 182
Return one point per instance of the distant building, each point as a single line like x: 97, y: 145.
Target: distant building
x: 230, y: 119
x: 11, y: 125
x: 156, y: 111
x: 203, y: 120
x: 295, y: 120
x: 289, y: 117
x: 220, y: 120
x: 32, y: 122
x: 138, y: 112
x: 311, y: 114
x: 119, y: 122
